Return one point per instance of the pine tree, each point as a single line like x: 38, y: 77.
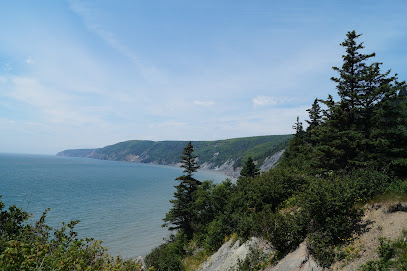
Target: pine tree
x: 389, y: 138
x: 181, y: 215
x: 299, y: 130
x: 351, y: 83
x: 314, y: 115
x: 352, y: 135
x: 249, y: 169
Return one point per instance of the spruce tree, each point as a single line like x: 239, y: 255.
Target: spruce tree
x: 315, y: 115
x: 181, y: 215
x: 353, y: 134
x: 249, y: 169
x: 350, y: 82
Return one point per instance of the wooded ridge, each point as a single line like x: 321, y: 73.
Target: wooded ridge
x: 225, y: 155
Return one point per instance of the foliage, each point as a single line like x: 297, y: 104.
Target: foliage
x: 315, y: 115
x: 367, y: 183
x: 181, y: 215
x: 40, y: 247
x: 284, y: 230
x: 192, y: 262
x: 249, y: 169
x: 366, y: 128
x: 255, y: 260
x: 168, y: 256
x: 329, y: 206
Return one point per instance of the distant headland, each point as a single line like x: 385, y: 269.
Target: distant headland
x: 226, y: 155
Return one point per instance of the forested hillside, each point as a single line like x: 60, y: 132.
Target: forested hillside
x: 229, y: 153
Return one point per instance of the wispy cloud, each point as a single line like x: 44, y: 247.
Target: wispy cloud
x: 88, y: 15
x: 270, y: 100
x: 204, y: 103
x: 55, y: 106
x: 29, y: 60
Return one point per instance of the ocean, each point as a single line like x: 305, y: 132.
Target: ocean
x: 120, y: 203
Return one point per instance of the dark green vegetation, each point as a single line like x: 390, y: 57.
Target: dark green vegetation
x: 215, y: 153
x: 353, y: 150
x: 180, y: 215
x: 25, y: 246
x: 249, y: 169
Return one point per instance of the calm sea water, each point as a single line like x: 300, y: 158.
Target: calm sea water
x: 120, y: 203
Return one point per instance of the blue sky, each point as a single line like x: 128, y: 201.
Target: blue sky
x: 84, y: 74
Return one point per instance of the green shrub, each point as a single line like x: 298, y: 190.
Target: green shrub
x: 40, y: 247
x: 366, y: 183
x: 320, y: 246
x: 398, y: 187
x: 328, y: 205
x: 385, y: 249
x: 285, y: 231
x: 215, y: 235
x: 168, y: 256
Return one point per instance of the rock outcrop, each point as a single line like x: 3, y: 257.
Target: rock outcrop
x: 298, y: 260
x: 228, y: 256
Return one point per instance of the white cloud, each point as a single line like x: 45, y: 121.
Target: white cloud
x: 204, y: 103
x: 29, y: 60
x: 270, y: 100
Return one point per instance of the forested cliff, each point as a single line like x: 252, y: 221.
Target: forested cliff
x: 225, y: 155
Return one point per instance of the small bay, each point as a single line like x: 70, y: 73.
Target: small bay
x: 120, y: 203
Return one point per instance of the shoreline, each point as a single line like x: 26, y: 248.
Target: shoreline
x: 229, y: 173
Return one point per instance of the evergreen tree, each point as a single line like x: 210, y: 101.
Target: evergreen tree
x: 299, y: 130
x: 249, y: 169
x: 314, y: 115
x: 181, y: 215
x: 350, y: 136
x: 351, y: 83
x: 389, y: 138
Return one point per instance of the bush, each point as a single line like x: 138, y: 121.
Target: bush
x: 320, y: 246
x: 40, y: 247
x: 366, y: 183
x: 397, y: 187
x: 285, y: 231
x: 215, y: 235
x: 168, y: 256
x: 328, y: 205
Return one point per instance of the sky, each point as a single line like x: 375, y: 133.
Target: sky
x: 86, y: 74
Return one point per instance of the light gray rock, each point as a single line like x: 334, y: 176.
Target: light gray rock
x: 271, y: 162
x: 298, y: 260
x: 227, y: 257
